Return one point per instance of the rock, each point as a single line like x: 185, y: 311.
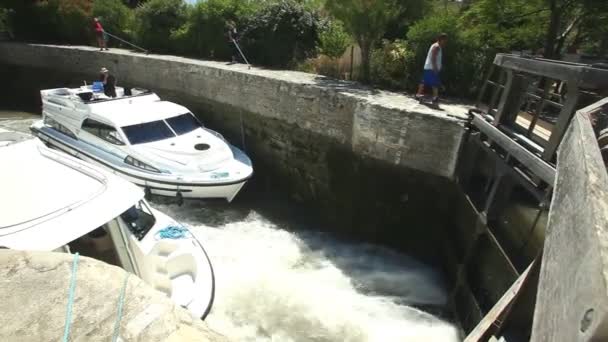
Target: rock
x: 34, y: 290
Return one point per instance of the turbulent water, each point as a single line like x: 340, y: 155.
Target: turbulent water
x: 278, y: 281
x: 275, y: 284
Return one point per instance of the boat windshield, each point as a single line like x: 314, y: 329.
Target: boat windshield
x: 140, y: 219
x: 148, y: 132
x: 184, y: 123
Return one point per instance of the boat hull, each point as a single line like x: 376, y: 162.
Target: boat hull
x: 170, y: 188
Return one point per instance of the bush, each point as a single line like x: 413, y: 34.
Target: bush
x: 462, y: 63
x: 334, y: 40
x: 282, y: 33
x: 205, y: 34
x: 115, y: 17
x: 157, y: 21
x: 3, y: 19
x: 389, y: 64
x: 62, y: 21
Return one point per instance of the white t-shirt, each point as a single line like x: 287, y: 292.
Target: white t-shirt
x: 428, y: 65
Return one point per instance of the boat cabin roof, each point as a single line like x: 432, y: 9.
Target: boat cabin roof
x: 50, y: 199
x: 124, y: 113
x: 124, y: 110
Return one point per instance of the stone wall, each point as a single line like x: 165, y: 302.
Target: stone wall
x: 370, y: 164
x: 572, y: 299
x: 382, y: 125
x: 34, y: 295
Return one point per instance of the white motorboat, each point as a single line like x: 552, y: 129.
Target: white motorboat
x: 158, y: 145
x: 51, y: 201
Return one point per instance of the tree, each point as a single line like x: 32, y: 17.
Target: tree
x: 115, y: 17
x: 61, y: 21
x: 366, y: 21
x: 334, y: 40
x: 157, y: 20
x: 501, y: 26
x: 282, y: 33
x: 567, y: 17
x: 205, y: 34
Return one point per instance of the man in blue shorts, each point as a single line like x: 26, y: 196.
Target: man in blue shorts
x: 432, y: 67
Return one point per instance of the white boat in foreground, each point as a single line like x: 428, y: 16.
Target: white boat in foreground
x: 158, y: 145
x: 54, y: 202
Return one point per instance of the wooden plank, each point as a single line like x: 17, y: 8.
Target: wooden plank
x: 500, y: 309
x: 538, y: 166
x: 563, y: 121
x: 583, y: 75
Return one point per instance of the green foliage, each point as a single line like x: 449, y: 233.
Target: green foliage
x: 462, y: 64
x: 334, y: 40
x: 157, y: 21
x: 389, y: 64
x: 66, y: 21
x: 4, y: 20
x: 504, y: 26
x: 205, y: 34
x: 282, y: 34
x: 115, y: 17
x: 366, y: 21
x: 409, y: 11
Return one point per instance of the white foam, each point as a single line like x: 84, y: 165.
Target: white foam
x: 276, y: 285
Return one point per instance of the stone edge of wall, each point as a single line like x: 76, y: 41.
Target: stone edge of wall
x: 572, y: 298
x: 377, y: 124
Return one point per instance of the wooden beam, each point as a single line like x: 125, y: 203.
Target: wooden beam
x: 538, y: 166
x: 511, y: 99
x: 583, y: 75
x: 563, y: 121
x: 500, y: 311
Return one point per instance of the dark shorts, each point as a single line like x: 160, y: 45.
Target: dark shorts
x: 431, y: 79
x: 99, y: 34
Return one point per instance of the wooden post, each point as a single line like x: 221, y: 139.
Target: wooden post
x: 511, y: 99
x: 563, y: 121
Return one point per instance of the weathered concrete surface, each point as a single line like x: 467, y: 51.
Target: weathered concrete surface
x: 382, y: 125
x: 34, y: 294
x: 572, y: 299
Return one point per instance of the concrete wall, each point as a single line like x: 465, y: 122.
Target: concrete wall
x: 572, y: 299
x: 34, y: 296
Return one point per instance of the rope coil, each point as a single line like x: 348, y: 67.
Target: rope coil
x: 173, y: 233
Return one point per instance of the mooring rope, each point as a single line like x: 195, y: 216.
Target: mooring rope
x: 121, y: 301
x: 173, y: 233
x: 126, y: 42
x: 68, y: 315
x: 71, y: 295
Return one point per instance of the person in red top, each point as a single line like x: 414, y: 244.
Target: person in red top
x: 99, y: 32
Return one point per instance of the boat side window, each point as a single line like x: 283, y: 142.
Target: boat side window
x: 184, y: 123
x: 139, y: 219
x: 58, y: 127
x: 102, y: 131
